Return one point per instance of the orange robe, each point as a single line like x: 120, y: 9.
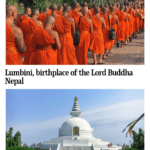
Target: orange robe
x: 82, y: 47
x: 49, y: 13
x: 92, y: 12
x: 131, y: 22
x: 58, y: 13
x: 13, y: 56
x: 45, y: 54
x: 28, y: 27
x: 42, y: 18
x: 127, y: 27
x: 76, y: 17
x: 113, y: 25
x: 20, y: 20
x: 121, y: 27
x: 137, y: 22
x: 66, y: 55
x: 97, y: 40
x: 106, y: 33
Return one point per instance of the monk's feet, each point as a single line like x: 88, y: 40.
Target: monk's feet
x: 117, y: 45
x: 105, y: 57
x: 111, y: 51
x: 101, y: 62
x: 130, y: 38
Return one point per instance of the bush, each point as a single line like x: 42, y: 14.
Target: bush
x: 19, y: 148
x: 131, y: 149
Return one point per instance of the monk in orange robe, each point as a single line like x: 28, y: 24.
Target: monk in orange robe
x: 121, y: 26
x: 43, y: 16
x: 114, y: 24
x: 92, y: 9
x: 75, y: 14
x: 66, y: 30
x: 97, y: 40
x: 47, y: 42
x: 14, y: 38
x: 28, y: 27
x: 85, y: 28
x: 127, y: 25
x: 23, y: 17
x: 131, y: 13
x: 85, y: 4
x: 60, y: 10
x: 106, y: 31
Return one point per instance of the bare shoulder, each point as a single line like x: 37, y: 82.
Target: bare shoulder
x: 102, y: 19
x: 39, y: 23
x: 16, y: 30
x: 110, y: 16
x: 53, y: 34
x: 89, y: 20
x: 70, y: 19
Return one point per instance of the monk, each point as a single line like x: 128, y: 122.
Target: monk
x: 14, y: 38
x: 28, y: 27
x: 85, y: 28
x: 106, y: 31
x: 127, y: 25
x: 114, y: 24
x: 85, y: 4
x: 23, y: 17
x: 60, y: 10
x: 92, y: 9
x: 43, y: 16
x: 75, y: 14
x: 121, y: 26
x: 66, y: 55
x: 47, y: 43
x: 97, y: 40
x: 131, y: 13
x: 49, y: 12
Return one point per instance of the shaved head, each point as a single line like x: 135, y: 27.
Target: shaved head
x: 50, y: 20
x: 64, y: 4
x: 104, y: 10
x: 112, y: 8
x: 46, y: 9
x: 67, y: 8
x: 94, y: 5
x: 54, y: 7
x: 96, y: 10
x: 35, y: 12
x: 75, y: 5
x: 60, y: 8
x: 10, y: 10
x: 27, y: 9
x: 85, y: 10
x: 85, y: 4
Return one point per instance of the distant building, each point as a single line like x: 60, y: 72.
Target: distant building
x: 76, y: 134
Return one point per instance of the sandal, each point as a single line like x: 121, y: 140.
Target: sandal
x: 100, y: 63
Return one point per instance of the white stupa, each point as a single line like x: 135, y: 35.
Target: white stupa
x: 76, y: 134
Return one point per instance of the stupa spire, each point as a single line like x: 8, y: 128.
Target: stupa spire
x: 76, y: 109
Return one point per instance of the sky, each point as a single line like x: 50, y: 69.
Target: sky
x: 38, y: 114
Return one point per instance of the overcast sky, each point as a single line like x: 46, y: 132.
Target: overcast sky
x: 38, y: 114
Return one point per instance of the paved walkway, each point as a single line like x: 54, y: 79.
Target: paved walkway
x: 130, y: 54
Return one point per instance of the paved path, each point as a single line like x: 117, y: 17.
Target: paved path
x: 130, y: 54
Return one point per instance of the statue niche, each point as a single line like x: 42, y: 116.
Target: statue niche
x: 76, y: 131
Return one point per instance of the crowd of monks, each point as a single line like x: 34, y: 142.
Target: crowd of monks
x: 48, y: 38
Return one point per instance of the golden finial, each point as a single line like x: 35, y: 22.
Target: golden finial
x: 76, y: 98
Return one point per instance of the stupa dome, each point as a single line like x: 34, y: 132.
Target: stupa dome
x: 75, y: 126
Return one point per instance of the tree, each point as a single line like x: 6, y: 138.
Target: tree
x: 138, y: 140
x: 13, y: 141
